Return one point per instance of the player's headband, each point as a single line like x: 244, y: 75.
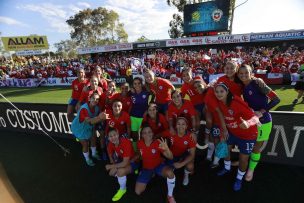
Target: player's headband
x: 223, y: 85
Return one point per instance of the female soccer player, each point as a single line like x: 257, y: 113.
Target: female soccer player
x: 156, y: 121
x: 102, y: 82
x: 121, y: 155
x: 107, y: 98
x: 257, y: 98
x: 183, y: 149
x: 119, y: 119
x: 188, y: 89
x: 151, y: 152
x: 125, y: 97
x: 242, y: 126
x: 140, y: 99
x: 77, y: 86
x: 181, y: 108
x: 161, y: 88
x: 299, y: 86
x: 83, y: 125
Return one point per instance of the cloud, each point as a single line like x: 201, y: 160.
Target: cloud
x: 84, y: 4
x: 56, y: 15
x: 11, y: 21
x: 148, y: 18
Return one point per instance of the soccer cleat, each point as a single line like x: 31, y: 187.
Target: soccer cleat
x: 295, y: 101
x: 237, y: 185
x: 214, y: 165
x: 249, y: 175
x: 136, y: 171
x: 90, y: 162
x: 119, y: 195
x: 223, y: 172
x: 171, y: 199
x: 96, y: 156
x: 186, y: 180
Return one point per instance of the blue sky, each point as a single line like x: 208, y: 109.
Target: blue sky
x: 141, y: 17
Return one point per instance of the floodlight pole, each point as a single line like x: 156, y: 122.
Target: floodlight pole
x: 232, y: 15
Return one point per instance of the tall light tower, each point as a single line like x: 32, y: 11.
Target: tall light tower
x: 233, y: 7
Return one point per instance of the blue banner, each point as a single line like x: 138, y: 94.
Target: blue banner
x: 207, y: 16
x: 272, y: 36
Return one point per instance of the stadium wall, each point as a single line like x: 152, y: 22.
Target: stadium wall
x: 285, y: 145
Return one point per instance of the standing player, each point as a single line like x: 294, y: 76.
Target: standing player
x: 157, y: 122
x: 242, y: 126
x: 161, y: 88
x: 77, y: 87
x: 183, y: 149
x: 83, y: 125
x: 151, y: 152
x: 299, y: 86
x: 125, y: 97
x: 102, y: 82
x: 257, y: 98
x: 140, y: 99
x: 121, y: 155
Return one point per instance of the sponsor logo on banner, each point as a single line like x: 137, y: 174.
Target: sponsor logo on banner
x: 227, y: 39
x: 29, y: 52
x: 20, y: 43
x: 277, y: 36
x: 108, y: 48
x: 34, y: 82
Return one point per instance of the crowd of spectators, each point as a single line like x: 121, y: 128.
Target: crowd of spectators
x: 163, y: 62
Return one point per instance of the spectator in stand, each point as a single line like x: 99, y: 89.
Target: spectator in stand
x: 77, y: 87
x: 299, y: 86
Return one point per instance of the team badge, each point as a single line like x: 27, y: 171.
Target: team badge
x: 160, y: 87
x: 153, y: 151
x: 217, y: 15
x: 121, y: 123
x: 250, y: 92
x: 159, y: 124
x: 76, y: 87
x: 144, y: 96
x: 185, y: 111
x: 111, y: 123
x: 185, y: 142
x: 121, y: 151
x: 230, y: 112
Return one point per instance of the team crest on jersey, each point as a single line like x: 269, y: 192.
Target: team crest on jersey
x: 76, y: 87
x: 144, y: 96
x: 121, y: 123
x: 121, y: 151
x: 160, y: 87
x: 153, y: 151
x: 185, y: 142
x: 128, y: 103
x: 250, y: 92
x: 230, y: 112
x: 185, y: 111
x: 111, y: 123
x: 159, y: 124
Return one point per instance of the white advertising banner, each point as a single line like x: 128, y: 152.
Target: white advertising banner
x: 227, y: 39
x: 29, y: 52
x: 108, y: 48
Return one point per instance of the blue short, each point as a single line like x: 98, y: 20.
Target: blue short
x: 134, y: 165
x: 145, y: 175
x: 72, y: 102
x: 215, y: 131
x: 245, y: 146
x: 199, y: 108
x: 162, y: 108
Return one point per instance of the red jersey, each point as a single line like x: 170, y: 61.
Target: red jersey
x: 187, y: 110
x: 77, y: 87
x: 159, y: 127
x: 123, y: 150
x: 103, y: 84
x: 161, y: 90
x: 85, y: 114
x: 195, y: 97
x: 120, y: 123
x: 235, y: 88
x: 151, y: 155
x: 85, y: 95
x: 126, y: 101
x: 179, y: 145
x: 106, y: 101
x: 232, y: 114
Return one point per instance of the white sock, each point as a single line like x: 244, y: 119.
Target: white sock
x: 227, y: 165
x: 240, y: 174
x: 86, y: 155
x: 93, y: 149
x: 216, y: 160
x: 170, y: 185
x: 210, y: 150
x: 186, y: 172
x: 122, y: 182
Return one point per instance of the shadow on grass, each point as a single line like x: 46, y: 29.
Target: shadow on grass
x: 17, y: 92
x: 288, y: 107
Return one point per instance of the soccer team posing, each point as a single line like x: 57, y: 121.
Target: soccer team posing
x: 152, y: 129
